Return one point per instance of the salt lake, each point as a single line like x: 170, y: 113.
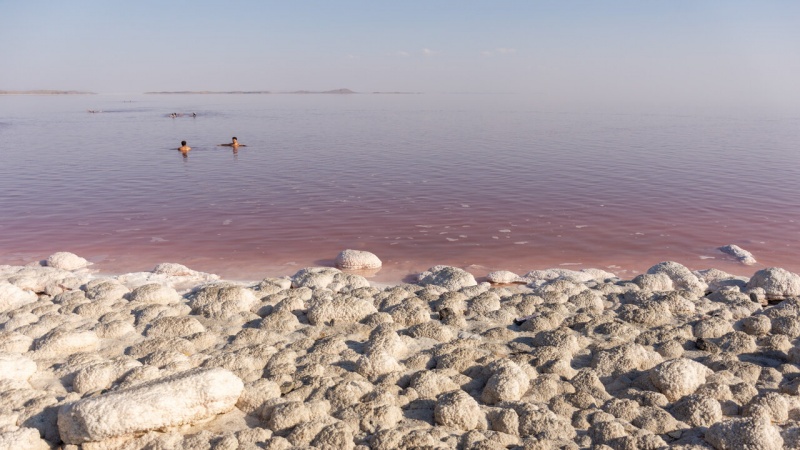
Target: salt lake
x: 485, y: 182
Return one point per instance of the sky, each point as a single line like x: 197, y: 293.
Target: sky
x: 727, y: 52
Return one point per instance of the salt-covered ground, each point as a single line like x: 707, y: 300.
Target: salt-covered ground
x: 174, y: 359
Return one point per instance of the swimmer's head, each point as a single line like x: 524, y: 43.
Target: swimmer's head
x: 234, y: 138
x: 183, y: 143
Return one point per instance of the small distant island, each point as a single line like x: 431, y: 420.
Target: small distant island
x: 209, y: 92
x: 46, y: 92
x: 334, y: 91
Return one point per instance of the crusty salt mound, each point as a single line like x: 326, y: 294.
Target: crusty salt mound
x: 183, y: 398
x: 450, y: 278
x: 357, y: 260
x: 66, y: 261
x: 504, y: 277
x: 742, y: 255
x: 175, y: 359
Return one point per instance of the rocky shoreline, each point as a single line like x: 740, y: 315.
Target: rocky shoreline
x: 174, y: 358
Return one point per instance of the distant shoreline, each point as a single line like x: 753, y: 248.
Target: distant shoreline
x: 335, y: 91
x: 46, y: 92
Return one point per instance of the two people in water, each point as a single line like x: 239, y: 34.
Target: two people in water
x: 234, y: 143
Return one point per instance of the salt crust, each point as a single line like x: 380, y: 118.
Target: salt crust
x: 575, y: 359
x: 739, y: 253
x: 182, y: 398
x: 357, y: 260
x: 67, y: 261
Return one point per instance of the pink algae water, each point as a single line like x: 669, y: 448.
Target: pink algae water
x: 484, y: 182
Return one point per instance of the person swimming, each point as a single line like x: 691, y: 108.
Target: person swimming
x: 184, y: 148
x: 234, y: 143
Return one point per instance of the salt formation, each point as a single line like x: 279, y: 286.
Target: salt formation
x: 176, y: 400
x: 504, y: 277
x: 450, y: 278
x: 66, y: 261
x: 175, y: 358
x: 775, y: 283
x: 739, y: 253
x: 357, y: 260
x: 12, y: 297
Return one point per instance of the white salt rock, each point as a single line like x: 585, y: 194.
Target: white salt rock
x: 739, y: 253
x: 256, y: 394
x: 543, y: 423
x: 624, y: 358
x: 384, y: 338
x: 576, y: 276
x: 67, y: 261
x: 456, y: 409
x: 219, y: 301
x: 657, y: 282
x: 328, y: 278
x: 712, y: 327
x: 508, y: 383
x: 334, y: 436
x: 102, y: 289
x: 752, y: 433
x: 357, y: 260
x: 376, y: 364
x: 290, y: 414
x: 174, y: 270
x: 698, y: 410
x: 679, y: 377
x: 504, y: 277
x: 484, y: 303
x: 180, y: 326
x: 154, y: 293
x: 681, y: 276
x: 777, y: 283
x: 448, y: 277
x: 411, y: 311
x: 49, y: 280
x: 66, y: 342
x: 717, y: 279
x: 302, y: 434
x: 13, y: 342
x: 16, y: 367
x: 181, y: 399
x: 429, y: 383
x: 101, y: 376
x: 8, y: 422
x: 23, y: 439
x: 12, y: 297
x: 114, y: 329
x: 338, y: 309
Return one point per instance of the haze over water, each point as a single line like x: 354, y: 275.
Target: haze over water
x: 492, y: 181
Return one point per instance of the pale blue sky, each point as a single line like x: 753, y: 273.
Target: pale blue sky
x: 719, y: 52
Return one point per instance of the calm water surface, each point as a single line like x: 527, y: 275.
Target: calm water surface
x: 480, y: 181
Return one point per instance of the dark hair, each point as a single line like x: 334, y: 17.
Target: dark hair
x: 234, y: 138
x: 183, y: 142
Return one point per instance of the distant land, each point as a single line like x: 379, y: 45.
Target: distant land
x: 46, y: 92
x: 335, y: 91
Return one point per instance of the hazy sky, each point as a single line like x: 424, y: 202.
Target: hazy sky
x: 725, y: 52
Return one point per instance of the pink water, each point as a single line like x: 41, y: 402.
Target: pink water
x: 483, y: 182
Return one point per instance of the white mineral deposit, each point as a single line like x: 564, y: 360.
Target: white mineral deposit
x: 575, y: 359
